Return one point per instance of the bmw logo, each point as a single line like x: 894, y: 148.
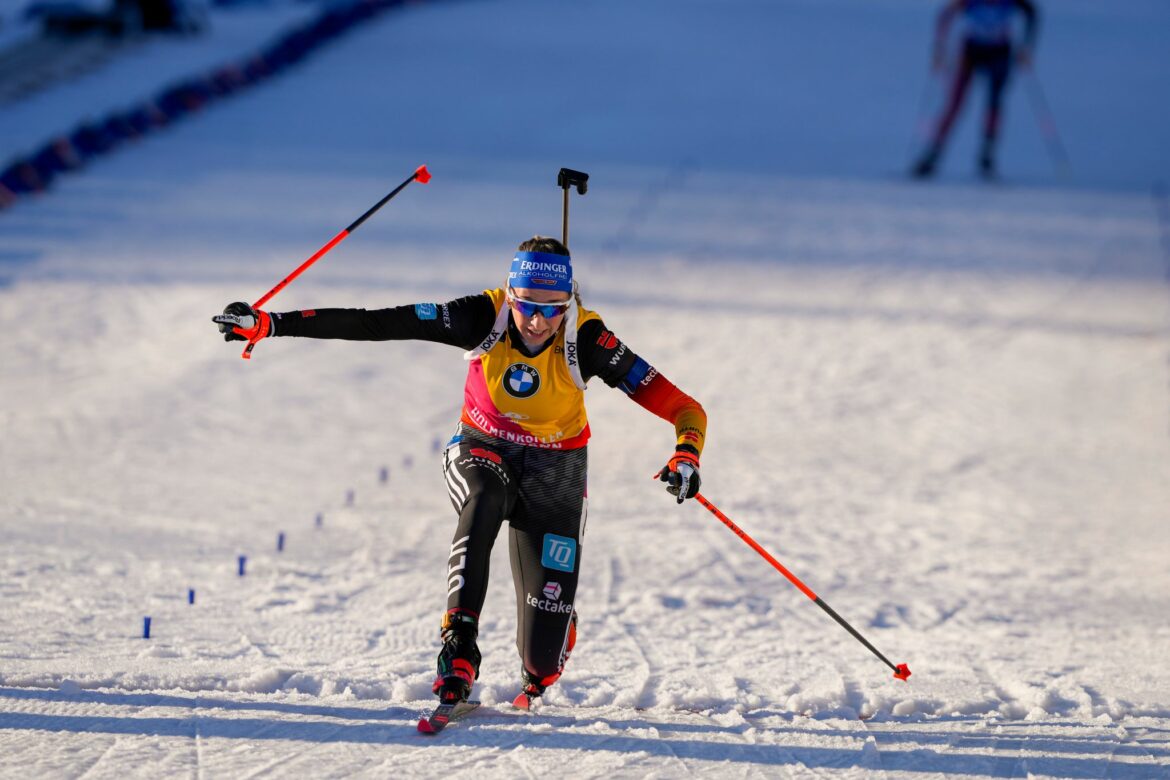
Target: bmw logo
x: 521, y: 380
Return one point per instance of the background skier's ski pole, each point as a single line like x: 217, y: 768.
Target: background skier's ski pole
x: 423, y: 177
x: 1047, y: 124
x: 901, y: 671
x: 924, y: 120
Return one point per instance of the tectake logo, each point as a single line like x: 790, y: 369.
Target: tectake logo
x: 560, y: 553
x: 552, y: 590
x: 521, y: 380
x: 548, y: 605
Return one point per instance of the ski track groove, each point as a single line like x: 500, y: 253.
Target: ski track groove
x: 286, y: 759
x: 653, y: 680
x: 1145, y: 751
x: 518, y: 728
x: 97, y: 761
x: 720, y: 549
x: 674, y: 754
x: 648, y: 676
x: 1018, y: 763
x: 984, y: 676
x: 871, y: 759
x: 199, y: 774
x: 512, y: 757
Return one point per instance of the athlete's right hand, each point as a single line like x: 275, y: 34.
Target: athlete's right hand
x: 681, y: 474
x: 240, y: 322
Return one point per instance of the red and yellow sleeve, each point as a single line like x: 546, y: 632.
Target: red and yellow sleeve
x: 662, y: 398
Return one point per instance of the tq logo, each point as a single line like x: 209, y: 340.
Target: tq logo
x: 559, y: 553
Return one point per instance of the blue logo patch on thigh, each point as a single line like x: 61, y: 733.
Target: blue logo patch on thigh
x: 560, y: 553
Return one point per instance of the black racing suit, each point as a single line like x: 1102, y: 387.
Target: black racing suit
x: 541, y: 492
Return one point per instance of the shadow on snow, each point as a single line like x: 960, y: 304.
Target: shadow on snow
x: 395, y: 726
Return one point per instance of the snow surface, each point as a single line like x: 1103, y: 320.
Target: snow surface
x: 945, y: 406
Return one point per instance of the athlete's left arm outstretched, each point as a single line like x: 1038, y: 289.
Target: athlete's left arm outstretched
x: 604, y: 355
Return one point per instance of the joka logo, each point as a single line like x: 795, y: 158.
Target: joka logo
x: 521, y: 380
x: 552, y: 590
x: 490, y: 341
x: 560, y: 553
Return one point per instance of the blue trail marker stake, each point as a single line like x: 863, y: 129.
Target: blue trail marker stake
x: 349, y: 497
x: 146, y: 628
x: 320, y: 519
x: 280, y: 542
x: 190, y: 595
x: 407, y: 462
x: 243, y: 563
x: 384, y: 475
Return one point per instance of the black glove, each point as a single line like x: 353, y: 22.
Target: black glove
x: 240, y: 322
x: 681, y: 474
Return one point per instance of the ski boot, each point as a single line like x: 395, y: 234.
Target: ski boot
x: 925, y: 166
x: 533, y: 687
x: 458, y: 661
x: 987, y: 162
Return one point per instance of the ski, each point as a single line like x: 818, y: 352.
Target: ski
x: 444, y: 714
x: 522, y: 701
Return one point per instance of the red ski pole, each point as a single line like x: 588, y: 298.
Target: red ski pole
x: 901, y: 671
x: 421, y: 173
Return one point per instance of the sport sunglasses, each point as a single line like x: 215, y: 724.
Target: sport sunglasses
x: 546, y: 310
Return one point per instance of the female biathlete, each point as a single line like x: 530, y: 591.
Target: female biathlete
x: 519, y: 452
x: 987, y: 48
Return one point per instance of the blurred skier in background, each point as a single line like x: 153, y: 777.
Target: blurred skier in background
x: 519, y: 451
x: 987, y: 47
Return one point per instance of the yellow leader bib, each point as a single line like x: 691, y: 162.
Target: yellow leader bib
x: 536, y: 401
